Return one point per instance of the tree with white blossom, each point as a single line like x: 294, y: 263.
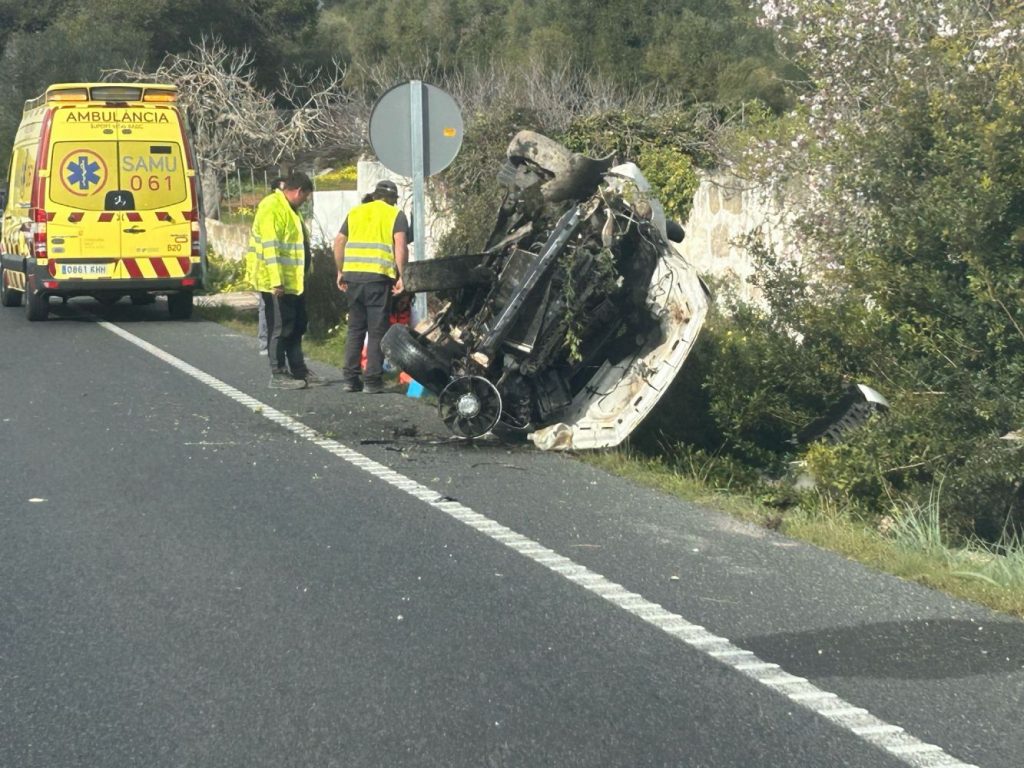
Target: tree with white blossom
x: 903, y: 165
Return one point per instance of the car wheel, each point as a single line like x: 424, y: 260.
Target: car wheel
x: 179, y: 305
x: 408, y: 352
x: 470, y: 406
x: 8, y: 296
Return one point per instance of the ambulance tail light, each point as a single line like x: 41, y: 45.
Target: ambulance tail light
x: 39, y: 219
x: 189, y: 282
x: 40, y: 216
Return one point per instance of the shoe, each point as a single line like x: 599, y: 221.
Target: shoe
x: 351, y: 386
x: 285, y: 381
x: 372, y: 388
x: 314, y: 379
x: 264, y: 352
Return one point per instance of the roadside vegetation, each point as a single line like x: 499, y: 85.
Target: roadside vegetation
x: 890, y: 133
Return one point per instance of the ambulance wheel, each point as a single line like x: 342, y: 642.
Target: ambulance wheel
x: 8, y: 296
x: 179, y: 305
x: 37, y: 306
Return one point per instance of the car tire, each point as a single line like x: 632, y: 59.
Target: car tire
x: 8, y: 296
x: 179, y: 305
x: 408, y: 352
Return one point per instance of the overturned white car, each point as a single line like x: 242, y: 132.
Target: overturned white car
x: 575, y: 318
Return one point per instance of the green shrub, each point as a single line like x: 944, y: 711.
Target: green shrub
x: 987, y: 489
x: 224, y: 275
x: 673, y: 178
x: 326, y: 306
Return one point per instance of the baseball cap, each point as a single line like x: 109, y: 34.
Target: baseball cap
x: 387, y: 186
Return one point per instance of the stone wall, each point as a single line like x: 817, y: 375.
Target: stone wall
x: 228, y: 240
x: 725, y: 211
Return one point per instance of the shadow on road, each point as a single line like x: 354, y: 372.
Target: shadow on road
x: 917, y: 650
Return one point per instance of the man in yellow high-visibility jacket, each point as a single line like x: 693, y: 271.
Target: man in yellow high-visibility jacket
x: 370, y: 251
x: 277, y: 262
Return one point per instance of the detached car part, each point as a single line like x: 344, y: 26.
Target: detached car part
x: 574, y: 319
x: 858, y: 404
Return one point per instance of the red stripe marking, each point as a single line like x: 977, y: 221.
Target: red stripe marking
x: 185, y: 263
x: 159, y: 267
x: 133, y: 216
x: 163, y: 216
x: 132, y: 267
x: 75, y: 217
x: 106, y: 217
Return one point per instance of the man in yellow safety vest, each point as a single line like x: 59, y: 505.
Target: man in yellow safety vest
x: 277, y: 262
x: 371, y: 251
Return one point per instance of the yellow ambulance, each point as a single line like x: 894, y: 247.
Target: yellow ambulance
x: 101, y: 200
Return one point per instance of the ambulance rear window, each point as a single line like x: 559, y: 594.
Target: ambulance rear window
x: 84, y: 172
x: 154, y: 173
x: 81, y: 173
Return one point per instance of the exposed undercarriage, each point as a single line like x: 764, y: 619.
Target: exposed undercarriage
x: 574, y: 318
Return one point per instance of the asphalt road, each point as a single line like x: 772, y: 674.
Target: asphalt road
x: 196, y: 570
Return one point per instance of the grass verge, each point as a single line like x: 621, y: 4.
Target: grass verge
x: 910, y: 545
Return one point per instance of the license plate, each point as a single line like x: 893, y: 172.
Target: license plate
x: 83, y: 270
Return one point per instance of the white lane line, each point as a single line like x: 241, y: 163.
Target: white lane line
x: 890, y: 738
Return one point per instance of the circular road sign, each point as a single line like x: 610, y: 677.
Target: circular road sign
x: 392, y: 124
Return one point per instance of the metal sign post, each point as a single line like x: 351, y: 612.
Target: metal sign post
x: 416, y: 131
x: 416, y: 127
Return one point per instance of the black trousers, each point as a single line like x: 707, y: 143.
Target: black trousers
x: 369, y: 310
x: 286, y: 322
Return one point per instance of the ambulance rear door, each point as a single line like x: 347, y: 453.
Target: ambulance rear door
x: 154, y: 171
x: 83, y: 174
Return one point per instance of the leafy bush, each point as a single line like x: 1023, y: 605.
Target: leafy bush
x: 326, y: 306
x: 224, y: 275
x: 673, y: 177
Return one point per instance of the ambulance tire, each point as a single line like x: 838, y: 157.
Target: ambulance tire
x: 8, y: 296
x: 179, y: 305
x: 37, y: 306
